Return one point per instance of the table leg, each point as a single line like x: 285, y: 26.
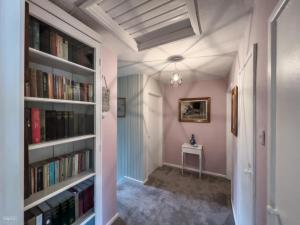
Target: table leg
x: 182, y: 162
x: 200, y: 166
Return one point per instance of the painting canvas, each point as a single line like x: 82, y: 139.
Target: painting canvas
x: 234, y: 111
x: 194, y: 110
x: 121, y: 111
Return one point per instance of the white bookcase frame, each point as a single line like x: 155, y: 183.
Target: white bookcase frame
x: 55, y: 17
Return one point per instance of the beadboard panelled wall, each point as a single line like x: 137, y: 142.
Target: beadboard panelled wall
x: 130, y: 129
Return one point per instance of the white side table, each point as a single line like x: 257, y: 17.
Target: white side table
x: 194, y: 150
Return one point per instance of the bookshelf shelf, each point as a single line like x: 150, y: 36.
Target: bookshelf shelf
x: 60, y: 141
x: 61, y: 101
x: 85, y: 218
x: 57, y: 62
x: 56, y: 189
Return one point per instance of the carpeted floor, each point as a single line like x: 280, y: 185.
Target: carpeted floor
x: 168, y: 198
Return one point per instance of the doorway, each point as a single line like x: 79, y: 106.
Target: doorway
x: 154, y: 147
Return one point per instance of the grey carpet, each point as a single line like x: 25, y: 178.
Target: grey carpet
x: 168, y: 198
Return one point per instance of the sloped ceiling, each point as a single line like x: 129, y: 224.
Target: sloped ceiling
x: 207, y: 55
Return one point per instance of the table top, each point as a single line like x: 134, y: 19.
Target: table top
x: 187, y: 145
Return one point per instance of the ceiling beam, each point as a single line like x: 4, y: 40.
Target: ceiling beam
x: 104, y: 19
x: 193, y: 11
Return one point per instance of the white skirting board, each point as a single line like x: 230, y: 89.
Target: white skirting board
x: 195, y: 170
x: 138, y: 181
x: 113, y: 219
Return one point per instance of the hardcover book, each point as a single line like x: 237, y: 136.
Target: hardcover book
x: 43, y: 125
x: 51, y: 125
x: 46, y: 210
x: 45, y: 85
x: 50, y: 86
x: 35, y: 125
x: 39, y: 84
x: 34, y: 30
x: 44, y: 38
x: 33, y: 82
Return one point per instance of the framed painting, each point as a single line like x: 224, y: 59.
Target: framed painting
x: 196, y: 110
x: 121, y: 104
x: 234, y: 111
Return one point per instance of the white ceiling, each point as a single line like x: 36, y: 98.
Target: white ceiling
x: 206, y: 56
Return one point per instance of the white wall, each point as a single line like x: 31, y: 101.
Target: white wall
x: 256, y: 32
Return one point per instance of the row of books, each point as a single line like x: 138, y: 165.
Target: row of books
x: 65, y: 208
x: 46, y: 85
x: 44, y: 38
x: 49, y: 172
x: 45, y: 125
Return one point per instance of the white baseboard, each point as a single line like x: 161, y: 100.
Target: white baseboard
x: 195, y: 170
x: 132, y: 179
x: 113, y: 219
x: 234, y: 213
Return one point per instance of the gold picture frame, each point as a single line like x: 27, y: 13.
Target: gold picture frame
x: 195, y: 110
x: 234, y: 110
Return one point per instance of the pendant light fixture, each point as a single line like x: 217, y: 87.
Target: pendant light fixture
x: 176, y: 79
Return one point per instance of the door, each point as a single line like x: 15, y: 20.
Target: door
x: 284, y: 124
x: 246, y: 139
x: 154, y: 147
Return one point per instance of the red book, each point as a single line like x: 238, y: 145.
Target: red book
x: 35, y: 125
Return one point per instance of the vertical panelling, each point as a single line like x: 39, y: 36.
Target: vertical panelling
x: 130, y: 129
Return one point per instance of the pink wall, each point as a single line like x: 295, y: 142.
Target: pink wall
x: 211, y: 135
x: 259, y: 35
x: 109, y: 139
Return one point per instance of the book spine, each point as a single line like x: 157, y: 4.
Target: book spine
x: 35, y: 125
x: 51, y: 125
x: 39, y: 79
x: 71, y: 124
x: 35, y: 35
x: 71, y: 210
x: 91, y: 92
x: 33, y: 83
x: 50, y: 86
x: 57, y: 171
x: 52, y: 173
x: 43, y: 125
x: 40, y: 179
x: 45, y: 85
x: 32, y: 181
x: 66, y: 125
x: 53, y: 45
x: 65, y: 49
x: 59, y: 44
x: 44, y: 38
x: 45, y: 177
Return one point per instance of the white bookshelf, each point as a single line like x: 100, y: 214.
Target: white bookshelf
x: 60, y: 142
x: 57, y: 62
x: 78, y: 31
x: 85, y: 218
x: 41, y: 196
x: 58, y: 101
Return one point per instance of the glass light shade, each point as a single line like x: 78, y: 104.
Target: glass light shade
x: 176, y: 80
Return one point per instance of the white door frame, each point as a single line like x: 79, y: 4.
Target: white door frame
x: 252, y: 53
x: 12, y: 25
x: 147, y: 138
x: 273, y: 214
